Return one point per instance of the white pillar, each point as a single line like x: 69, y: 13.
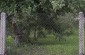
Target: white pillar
x: 2, y: 33
x: 81, y: 33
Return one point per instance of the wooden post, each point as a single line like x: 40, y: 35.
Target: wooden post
x: 81, y: 33
x: 2, y: 33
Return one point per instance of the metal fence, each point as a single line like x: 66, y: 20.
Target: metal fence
x: 42, y: 34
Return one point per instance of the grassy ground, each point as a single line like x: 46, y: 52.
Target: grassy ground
x: 48, y: 46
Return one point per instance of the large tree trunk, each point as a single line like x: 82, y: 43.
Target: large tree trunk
x: 35, y: 33
x: 16, y: 40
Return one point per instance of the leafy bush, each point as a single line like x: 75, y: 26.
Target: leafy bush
x: 9, y: 40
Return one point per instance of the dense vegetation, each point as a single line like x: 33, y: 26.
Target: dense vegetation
x: 32, y: 21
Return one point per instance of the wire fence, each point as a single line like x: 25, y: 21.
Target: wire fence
x: 43, y: 34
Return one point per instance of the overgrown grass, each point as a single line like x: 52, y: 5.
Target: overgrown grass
x: 48, y: 46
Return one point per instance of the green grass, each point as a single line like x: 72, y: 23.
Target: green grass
x: 54, y: 47
x: 48, y: 46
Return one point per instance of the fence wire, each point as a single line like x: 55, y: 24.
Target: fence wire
x: 43, y: 34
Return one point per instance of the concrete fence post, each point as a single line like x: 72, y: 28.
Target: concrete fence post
x: 81, y: 33
x: 2, y: 33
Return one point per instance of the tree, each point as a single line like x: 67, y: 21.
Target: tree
x: 30, y: 14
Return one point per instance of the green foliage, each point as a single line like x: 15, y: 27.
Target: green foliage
x: 57, y: 4
x: 56, y: 15
x: 9, y: 40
